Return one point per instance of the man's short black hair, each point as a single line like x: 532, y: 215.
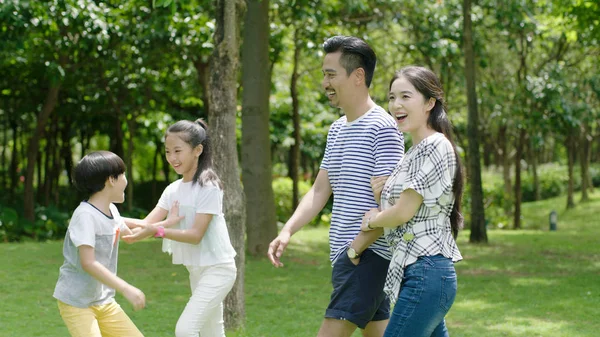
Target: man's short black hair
x: 92, y: 171
x: 356, y: 53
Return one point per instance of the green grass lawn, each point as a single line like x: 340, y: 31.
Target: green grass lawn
x: 523, y: 283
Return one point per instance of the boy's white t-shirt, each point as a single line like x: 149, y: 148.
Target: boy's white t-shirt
x: 215, y: 247
x: 89, y: 226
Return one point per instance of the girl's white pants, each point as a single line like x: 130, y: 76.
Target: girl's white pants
x: 203, y: 314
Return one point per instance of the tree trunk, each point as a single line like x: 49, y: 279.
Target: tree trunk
x: 534, y: 170
x: 129, y: 161
x: 49, y: 160
x: 165, y: 166
x: 222, y: 119
x: 66, y: 152
x: 478, y: 230
x: 203, y: 79
x: 40, y: 178
x: 571, y: 163
x: 57, y: 168
x: 295, y: 150
x: 155, y: 170
x: 3, y: 167
x: 14, y: 159
x: 584, y: 162
x: 261, y: 221
x: 116, y: 142
x: 488, y: 150
x: 508, y: 191
x: 518, y: 194
x: 33, y: 147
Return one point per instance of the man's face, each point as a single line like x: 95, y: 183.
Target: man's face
x: 337, y: 84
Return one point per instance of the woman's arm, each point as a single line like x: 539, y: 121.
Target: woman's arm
x: 89, y: 264
x: 403, y: 210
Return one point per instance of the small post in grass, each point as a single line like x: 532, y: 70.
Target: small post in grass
x: 553, y: 220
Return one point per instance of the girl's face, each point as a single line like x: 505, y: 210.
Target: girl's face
x: 409, y: 106
x: 182, y: 157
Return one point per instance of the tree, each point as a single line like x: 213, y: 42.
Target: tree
x: 222, y: 98
x: 478, y: 230
x: 261, y: 222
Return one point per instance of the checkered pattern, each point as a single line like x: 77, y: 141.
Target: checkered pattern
x: 428, y: 168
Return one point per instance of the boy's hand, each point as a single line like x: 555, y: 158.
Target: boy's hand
x: 135, y: 296
x: 140, y: 234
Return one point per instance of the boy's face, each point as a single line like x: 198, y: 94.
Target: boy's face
x: 118, y: 188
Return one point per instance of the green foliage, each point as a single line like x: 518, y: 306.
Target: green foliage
x: 282, y: 189
x: 50, y: 223
x: 553, y: 180
x: 9, y: 224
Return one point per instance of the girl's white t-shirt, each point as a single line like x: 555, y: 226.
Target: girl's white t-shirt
x: 215, y: 247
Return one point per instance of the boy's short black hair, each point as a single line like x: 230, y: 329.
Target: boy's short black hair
x: 90, y: 174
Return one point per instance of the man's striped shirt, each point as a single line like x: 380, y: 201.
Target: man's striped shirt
x: 366, y: 147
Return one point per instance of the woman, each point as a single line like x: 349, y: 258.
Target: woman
x: 420, y: 209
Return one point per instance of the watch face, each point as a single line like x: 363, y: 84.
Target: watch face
x: 352, y: 253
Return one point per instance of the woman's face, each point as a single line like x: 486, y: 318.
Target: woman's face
x: 408, y: 106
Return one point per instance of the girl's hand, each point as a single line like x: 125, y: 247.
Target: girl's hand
x: 135, y: 296
x: 140, y: 234
x: 377, y: 186
x: 371, y: 214
x: 174, y: 216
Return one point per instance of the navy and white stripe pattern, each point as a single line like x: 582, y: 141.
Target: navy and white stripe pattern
x: 428, y: 168
x: 368, y: 146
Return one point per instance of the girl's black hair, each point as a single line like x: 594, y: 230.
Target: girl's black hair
x: 92, y: 171
x: 428, y: 84
x: 194, y: 134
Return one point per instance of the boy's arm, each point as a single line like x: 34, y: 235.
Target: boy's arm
x: 89, y: 264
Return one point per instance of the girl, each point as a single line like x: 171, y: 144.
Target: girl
x: 201, y: 241
x: 88, y: 278
x: 420, y: 205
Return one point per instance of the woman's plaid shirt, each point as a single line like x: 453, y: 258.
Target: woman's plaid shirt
x: 428, y: 168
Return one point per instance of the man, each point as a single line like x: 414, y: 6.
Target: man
x: 364, y: 143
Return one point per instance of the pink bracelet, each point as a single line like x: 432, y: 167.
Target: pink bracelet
x: 160, y: 232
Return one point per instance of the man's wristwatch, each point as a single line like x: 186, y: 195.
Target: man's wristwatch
x: 352, y: 253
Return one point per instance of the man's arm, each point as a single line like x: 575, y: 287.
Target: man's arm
x: 310, y: 205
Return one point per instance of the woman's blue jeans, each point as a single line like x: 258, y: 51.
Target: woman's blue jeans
x: 428, y: 291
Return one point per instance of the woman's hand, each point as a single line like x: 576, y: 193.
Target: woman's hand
x: 377, y: 186
x: 370, y: 215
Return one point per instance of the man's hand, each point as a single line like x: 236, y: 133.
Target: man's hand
x: 276, y: 248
